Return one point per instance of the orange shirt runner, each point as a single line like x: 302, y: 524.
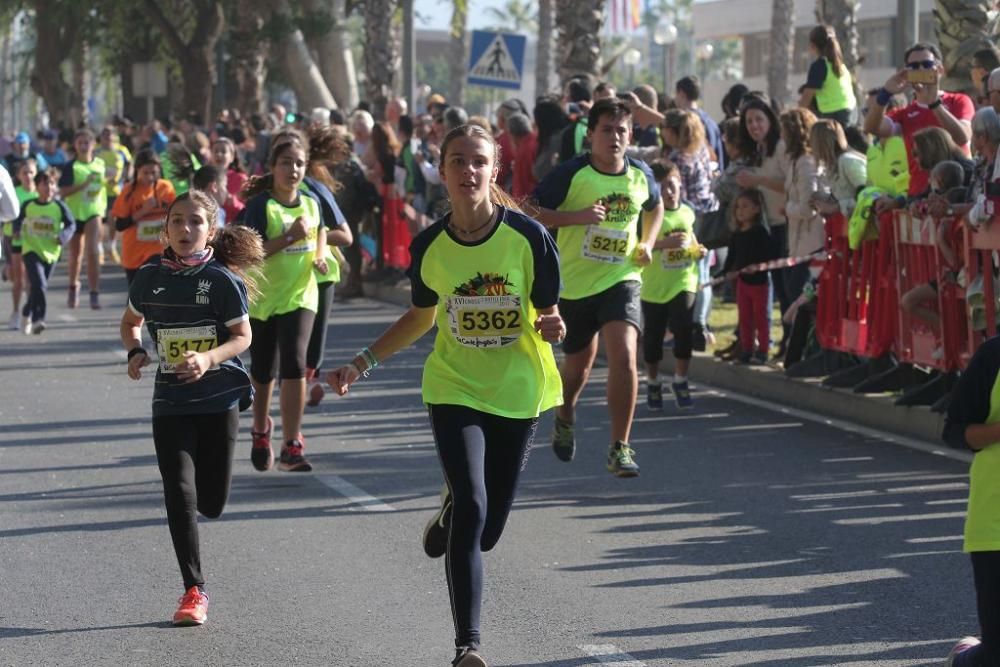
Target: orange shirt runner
x: 147, y: 207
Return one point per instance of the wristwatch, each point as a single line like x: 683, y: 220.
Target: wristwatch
x: 290, y: 239
x: 935, y: 104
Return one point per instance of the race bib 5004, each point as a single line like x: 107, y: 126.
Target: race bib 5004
x: 676, y: 258
x: 605, y: 245
x: 171, y: 344
x: 485, y: 321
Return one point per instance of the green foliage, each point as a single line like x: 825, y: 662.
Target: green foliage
x: 518, y: 16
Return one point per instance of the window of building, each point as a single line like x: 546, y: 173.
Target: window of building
x: 875, y: 42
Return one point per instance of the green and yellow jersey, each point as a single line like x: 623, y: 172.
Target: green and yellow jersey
x: 8, y: 225
x: 41, y: 226
x: 332, y: 218
x: 596, y: 257
x: 977, y: 401
x: 673, y: 270
x: 92, y: 200
x: 116, y: 160
x: 288, y: 280
x: 487, y: 355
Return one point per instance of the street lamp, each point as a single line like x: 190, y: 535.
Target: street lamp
x: 631, y: 58
x: 704, y: 53
x: 666, y: 35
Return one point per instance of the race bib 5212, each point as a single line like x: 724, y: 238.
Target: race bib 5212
x: 605, y: 245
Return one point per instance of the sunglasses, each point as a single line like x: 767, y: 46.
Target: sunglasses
x: 922, y: 64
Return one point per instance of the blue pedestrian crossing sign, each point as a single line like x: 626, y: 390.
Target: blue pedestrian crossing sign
x: 496, y: 59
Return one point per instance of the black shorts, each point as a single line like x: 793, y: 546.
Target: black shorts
x: 585, y: 317
x: 9, y: 248
x: 82, y: 224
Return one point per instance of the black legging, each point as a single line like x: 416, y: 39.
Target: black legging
x: 482, y: 456
x: 195, y: 455
x: 678, y: 314
x: 38, y: 272
x: 285, y: 335
x: 317, y: 339
x: 986, y: 572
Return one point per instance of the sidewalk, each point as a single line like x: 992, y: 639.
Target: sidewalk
x: 770, y: 384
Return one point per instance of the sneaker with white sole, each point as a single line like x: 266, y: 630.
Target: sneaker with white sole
x: 466, y: 656
x: 962, y: 646
x: 620, y: 461
x: 436, y: 531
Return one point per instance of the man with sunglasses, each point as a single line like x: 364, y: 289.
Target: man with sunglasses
x: 930, y: 107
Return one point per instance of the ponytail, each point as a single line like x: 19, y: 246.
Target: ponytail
x: 824, y: 38
x: 499, y: 197
x: 241, y: 250
x: 255, y: 185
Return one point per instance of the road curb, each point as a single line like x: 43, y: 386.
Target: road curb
x: 771, y: 385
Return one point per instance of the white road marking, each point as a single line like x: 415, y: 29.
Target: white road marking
x: 354, y: 494
x: 610, y: 655
x: 119, y: 352
x: 758, y: 427
x: 911, y: 443
x: 849, y: 459
x: 65, y: 317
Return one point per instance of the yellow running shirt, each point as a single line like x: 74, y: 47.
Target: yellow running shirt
x: 596, y: 257
x: 487, y: 355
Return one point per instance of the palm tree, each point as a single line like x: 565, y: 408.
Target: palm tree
x: 579, y: 24
x: 515, y: 16
x: 543, y: 60
x: 457, y: 51
x: 780, y: 57
x: 963, y: 27
x: 381, y: 53
x: 843, y: 16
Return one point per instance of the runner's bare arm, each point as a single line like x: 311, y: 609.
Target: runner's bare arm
x: 556, y: 219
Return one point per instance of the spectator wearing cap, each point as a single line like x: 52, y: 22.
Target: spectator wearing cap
x: 51, y: 151
x: 20, y: 150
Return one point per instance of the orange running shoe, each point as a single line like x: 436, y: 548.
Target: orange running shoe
x: 193, y: 609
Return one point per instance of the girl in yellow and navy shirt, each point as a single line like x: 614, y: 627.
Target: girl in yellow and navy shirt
x: 290, y: 224
x: 488, y: 277
x: 973, y: 422
x: 82, y: 185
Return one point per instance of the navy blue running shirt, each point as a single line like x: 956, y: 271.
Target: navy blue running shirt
x: 192, y: 312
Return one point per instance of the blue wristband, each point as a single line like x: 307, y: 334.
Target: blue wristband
x: 883, y: 97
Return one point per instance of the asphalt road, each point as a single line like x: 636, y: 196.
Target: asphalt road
x: 751, y: 537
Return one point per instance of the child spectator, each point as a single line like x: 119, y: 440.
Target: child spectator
x: 750, y: 244
x: 844, y: 170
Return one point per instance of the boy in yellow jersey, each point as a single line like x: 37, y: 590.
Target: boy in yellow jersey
x: 117, y: 167
x: 82, y: 186
x: 973, y: 422
x: 669, y: 287
x: 596, y: 201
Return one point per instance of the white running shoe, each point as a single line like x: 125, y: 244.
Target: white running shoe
x: 963, y: 645
x: 14, y: 324
x: 26, y: 325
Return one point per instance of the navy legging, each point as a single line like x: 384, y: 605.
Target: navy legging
x: 482, y: 456
x: 986, y: 572
x: 38, y: 280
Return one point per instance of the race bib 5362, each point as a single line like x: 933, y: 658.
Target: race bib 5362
x: 485, y: 321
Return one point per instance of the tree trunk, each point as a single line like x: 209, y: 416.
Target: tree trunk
x: 843, y: 16
x: 249, y: 56
x: 333, y: 53
x: 303, y: 75
x: 458, y: 52
x: 381, y: 54
x: 56, y: 34
x: 543, y: 63
x: 196, y: 55
x: 963, y: 27
x: 780, y: 57
x: 579, y: 24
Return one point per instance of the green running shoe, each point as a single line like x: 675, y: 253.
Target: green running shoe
x: 563, y: 442
x: 620, y: 460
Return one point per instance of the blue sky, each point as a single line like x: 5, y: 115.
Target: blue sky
x: 439, y: 13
